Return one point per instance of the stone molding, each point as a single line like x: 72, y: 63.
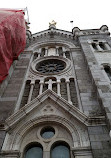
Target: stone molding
x: 75, y: 112
x: 10, y: 154
x: 82, y: 152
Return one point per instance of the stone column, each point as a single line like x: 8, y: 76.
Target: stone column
x: 46, y: 154
x: 64, y: 55
x: 98, y: 47
x: 107, y: 46
x: 38, y: 55
x: 57, y: 51
x: 90, y: 43
x: 41, y: 87
x: 68, y: 92
x: 64, y: 50
x: 46, y: 51
x: 58, y: 87
x: 31, y: 91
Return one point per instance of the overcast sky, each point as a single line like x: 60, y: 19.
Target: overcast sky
x: 86, y: 14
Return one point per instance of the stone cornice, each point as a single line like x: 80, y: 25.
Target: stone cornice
x: 72, y: 110
x: 103, y: 30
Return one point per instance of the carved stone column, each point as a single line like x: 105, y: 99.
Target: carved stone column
x: 57, y: 51
x: 31, y: 91
x: 68, y: 92
x: 64, y: 55
x: 98, y: 47
x: 107, y: 46
x: 58, y: 87
x: 41, y: 87
x: 90, y: 43
x: 38, y: 55
x: 46, y: 51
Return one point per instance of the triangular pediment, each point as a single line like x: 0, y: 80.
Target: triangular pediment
x: 48, y: 103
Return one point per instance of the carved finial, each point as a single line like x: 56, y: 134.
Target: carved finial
x: 52, y: 24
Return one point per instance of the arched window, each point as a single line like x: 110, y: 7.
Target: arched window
x: 35, y: 89
x: 34, y: 151
x: 63, y: 89
x: 26, y: 93
x: 101, y: 44
x: 60, y: 150
x: 94, y: 46
x: 108, y: 71
x: 73, y: 92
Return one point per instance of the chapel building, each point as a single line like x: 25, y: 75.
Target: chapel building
x: 56, y: 100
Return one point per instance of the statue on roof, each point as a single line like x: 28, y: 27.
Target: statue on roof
x: 53, y: 23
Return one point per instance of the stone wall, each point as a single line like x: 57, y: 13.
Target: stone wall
x: 11, y: 90
x: 99, y: 135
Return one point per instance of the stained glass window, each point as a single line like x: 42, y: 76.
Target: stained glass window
x: 50, y: 66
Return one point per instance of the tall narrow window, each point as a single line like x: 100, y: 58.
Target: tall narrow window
x: 35, y: 90
x: 63, y: 89
x: 67, y: 55
x: 42, y: 52
x: 73, y: 92
x: 35, y: 151
x: 45, y: 87
x: 54, y: 87
x: 108, y: 71
x: 94, y: 46
x: 26, y: 93
x: 60, y: 51
x: 101, y: 44
x: 35, y: 56
x: 60, y: 150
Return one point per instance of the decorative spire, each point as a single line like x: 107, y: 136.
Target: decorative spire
x: 52, y: 24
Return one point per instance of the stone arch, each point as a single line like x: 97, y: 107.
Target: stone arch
x: 59, y: 140
x: 106, y: 64
x: 30, y: 145
x: 19, y: 135
x: 57, y: 147
x: 107, y: 69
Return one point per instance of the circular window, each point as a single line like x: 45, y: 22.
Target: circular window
x: 47, y: 132
x: 50, y: 66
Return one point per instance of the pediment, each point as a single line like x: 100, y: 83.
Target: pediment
x: 46, y: 104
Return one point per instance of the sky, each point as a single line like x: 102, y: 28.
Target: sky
x: 85, y: 14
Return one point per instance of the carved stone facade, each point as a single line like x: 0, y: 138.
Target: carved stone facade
x: 60, y: 85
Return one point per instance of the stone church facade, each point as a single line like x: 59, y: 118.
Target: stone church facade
x: 56, y: 100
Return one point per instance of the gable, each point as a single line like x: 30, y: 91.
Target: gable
x: 47, y: 103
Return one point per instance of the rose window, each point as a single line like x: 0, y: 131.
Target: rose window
x: 50, y: 66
